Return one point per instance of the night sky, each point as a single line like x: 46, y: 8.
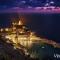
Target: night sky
x: 12, y: 3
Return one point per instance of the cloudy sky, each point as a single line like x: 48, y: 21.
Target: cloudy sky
x: 24, y: 2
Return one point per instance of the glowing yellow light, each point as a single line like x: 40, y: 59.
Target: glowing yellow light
x: 20, y: 23
x: 21, y: 32
x: 6, y: 29
x: 8, y: 37
x: 22, y: 38
x: 13, y: 23
x: 1, y: 30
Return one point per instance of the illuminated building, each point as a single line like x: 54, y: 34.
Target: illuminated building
x: 19, y: 34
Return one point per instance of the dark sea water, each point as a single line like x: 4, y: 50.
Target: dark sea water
x: 45, y: 25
